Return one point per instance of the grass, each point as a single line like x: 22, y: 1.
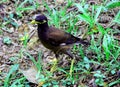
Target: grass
x: 104, y: 46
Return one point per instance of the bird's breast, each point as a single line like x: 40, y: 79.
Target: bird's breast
x: 44, y: 40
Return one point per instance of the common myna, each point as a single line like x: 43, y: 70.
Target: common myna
x: 54, y: 39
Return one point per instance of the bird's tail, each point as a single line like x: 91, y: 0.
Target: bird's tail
x: 81, y: 41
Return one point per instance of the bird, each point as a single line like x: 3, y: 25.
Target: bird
x: 55, y: 39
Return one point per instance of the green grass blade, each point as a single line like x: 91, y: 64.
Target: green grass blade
x: 81, y: 9
x: 85, y: 16
x: 113, y: 4
x: 25, y: 9
x: 21, y: 5
x: 99, y: 9
x: 114, y: 82
x: 71, y: 67
x: 117, y: 18
x: 12, y: 70
x: 18, y: 82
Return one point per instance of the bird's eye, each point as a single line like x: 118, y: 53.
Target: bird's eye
x: 44, y: 21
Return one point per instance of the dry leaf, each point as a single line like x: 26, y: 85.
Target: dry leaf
x: 60, y: 1
x: 30, y: 74
x: 23, y: 28
x: 32, y: 43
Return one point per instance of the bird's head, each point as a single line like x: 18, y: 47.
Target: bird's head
x: 40, y: 19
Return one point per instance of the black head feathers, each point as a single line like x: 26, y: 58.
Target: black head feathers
x: 41, y: 18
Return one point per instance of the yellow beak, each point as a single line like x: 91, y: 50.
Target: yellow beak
x: 33, y: 22
x: 36, y: 22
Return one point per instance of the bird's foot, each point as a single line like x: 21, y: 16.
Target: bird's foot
x: 54, y: 65
x: 72, y: 67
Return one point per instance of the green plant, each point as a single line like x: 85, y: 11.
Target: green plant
x: 10, y: 20
x: 38, y: 63
x: 92, y: 18
x: 114, y: 83
x: 21, y: 8
x: 43, y: 75
x: 117, y: 18
x: 7, y: 40
x: 25, y: 39
x: 3, y: 1
x: 113, y: 4
x: 9, y: 77
x: 84, y: 66
x: 99, y: 78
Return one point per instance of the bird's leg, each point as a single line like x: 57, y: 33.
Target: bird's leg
x: 55, y: 63
x: 68, y: 52
x: 56, y: 55
x: 72, y: 67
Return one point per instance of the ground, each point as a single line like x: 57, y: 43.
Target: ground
x: 95, y: 65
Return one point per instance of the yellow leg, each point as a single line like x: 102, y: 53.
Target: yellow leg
x: 71, y: 67
x: 54, y: 66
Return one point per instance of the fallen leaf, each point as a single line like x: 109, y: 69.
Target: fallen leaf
x: 60, y: 1
x: 30, y: 75
x: 32, y: 43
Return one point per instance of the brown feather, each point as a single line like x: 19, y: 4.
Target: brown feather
x: 57, y: 35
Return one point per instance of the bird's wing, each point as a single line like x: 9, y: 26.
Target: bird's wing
x: 59, y: 37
